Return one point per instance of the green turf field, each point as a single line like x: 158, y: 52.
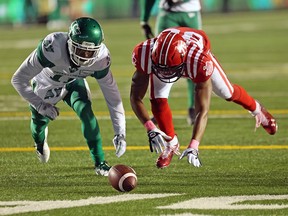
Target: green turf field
x: 244, y: 172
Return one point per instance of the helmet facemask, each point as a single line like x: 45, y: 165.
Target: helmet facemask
x: 84, y: 54
x: 84, y: 41
x: 168, y: 56
x: 168, y: 74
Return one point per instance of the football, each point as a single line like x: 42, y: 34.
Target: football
x: 122, y: 177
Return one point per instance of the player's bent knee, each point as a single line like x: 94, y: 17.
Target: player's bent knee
x: 83, y: 109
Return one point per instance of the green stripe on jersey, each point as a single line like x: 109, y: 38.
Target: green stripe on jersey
x: 42, y: 59
x: 101, y: 74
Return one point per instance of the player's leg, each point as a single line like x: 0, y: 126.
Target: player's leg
x: 78, y: 98
x: 165, y: 19
x: 39, y: 131
x: 185, y: 19
x: 232, y: 92
x: 159, y: 92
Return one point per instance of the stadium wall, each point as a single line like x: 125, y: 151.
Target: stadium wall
x: 44, y: 11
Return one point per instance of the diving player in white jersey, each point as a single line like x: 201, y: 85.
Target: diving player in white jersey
x: 56, y: 70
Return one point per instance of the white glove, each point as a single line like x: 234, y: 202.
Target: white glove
x: 192, y: 156
x: 156, y: 141
x: 119, y: 143
x: 48, y: 110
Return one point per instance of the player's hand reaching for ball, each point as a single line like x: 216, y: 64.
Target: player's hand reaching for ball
x: 119, y: 144
x: 192, y: 156
x: 156, y: 140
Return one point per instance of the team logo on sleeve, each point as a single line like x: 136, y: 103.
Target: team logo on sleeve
x: 208, y: 67
x: 47, y: 44
x: 134, y: 60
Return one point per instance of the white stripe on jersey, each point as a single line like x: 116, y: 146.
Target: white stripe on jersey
x: 149, y: 65
x: 195, y: 64
x: 149, y: 57
x: 143, y: 57
x: 190, y: 53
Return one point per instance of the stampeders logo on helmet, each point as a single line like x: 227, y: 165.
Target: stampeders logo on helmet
x: 182, y: 48
x: 208, y: 68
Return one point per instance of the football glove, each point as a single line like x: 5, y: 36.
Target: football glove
x: 192, y: 156
x: 48, y: 110
x: 119, y: 143
x: 156, y: 141
x: 147, y: 31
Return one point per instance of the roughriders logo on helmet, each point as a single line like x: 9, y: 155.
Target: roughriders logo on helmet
x: 75, y: 29
x: 84, y: 41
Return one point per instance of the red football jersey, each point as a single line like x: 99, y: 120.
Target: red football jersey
x: 199, y: 66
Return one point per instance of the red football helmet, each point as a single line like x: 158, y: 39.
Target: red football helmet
x: 168, y: 56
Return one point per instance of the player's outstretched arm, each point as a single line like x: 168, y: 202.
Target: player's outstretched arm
x: 202, y: 103
x: 114, y: 102
x: 139, y: 86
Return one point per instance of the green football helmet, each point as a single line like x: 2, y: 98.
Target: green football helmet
x: 85, y: 37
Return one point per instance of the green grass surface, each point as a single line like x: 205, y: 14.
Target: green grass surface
x: 252, y: 48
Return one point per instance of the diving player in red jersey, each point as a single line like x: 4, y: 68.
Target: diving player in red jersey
x: 184, y: 13
x: 161, y: 61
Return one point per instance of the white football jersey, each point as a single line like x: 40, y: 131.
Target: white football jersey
x: 50, y: 69
x: 57, y: 72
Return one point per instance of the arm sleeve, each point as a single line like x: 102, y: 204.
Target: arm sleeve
x: 21, y: 79
x: 146, y: 7
x: 113, y: 100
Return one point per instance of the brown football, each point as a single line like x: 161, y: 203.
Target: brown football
x: 122, y: 177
